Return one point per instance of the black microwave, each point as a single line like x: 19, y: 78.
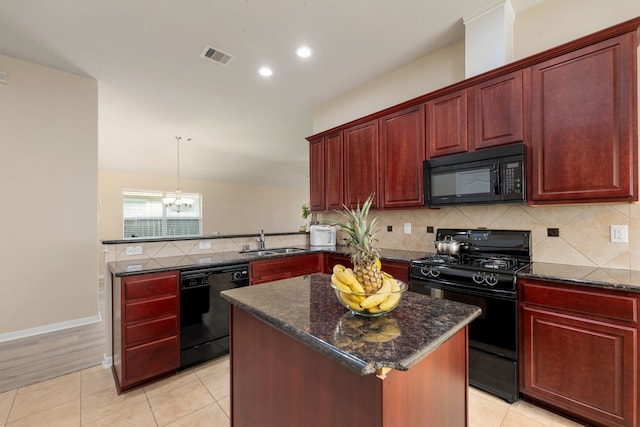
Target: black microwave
x: 493, y: 175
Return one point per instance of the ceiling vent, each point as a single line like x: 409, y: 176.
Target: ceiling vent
x: 216, y: 55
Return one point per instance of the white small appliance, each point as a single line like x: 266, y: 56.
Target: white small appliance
x: 322, y: 235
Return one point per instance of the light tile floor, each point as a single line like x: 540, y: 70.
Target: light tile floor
x: 194, y: 397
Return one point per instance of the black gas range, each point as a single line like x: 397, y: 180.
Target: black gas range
x: 488, y: 260
x: 482, y: 273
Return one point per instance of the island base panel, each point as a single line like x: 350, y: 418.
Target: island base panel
x: 278, y: 381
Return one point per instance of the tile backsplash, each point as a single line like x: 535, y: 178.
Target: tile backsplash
x: 584, y: 233
x: 584, y: 230
x: 146, y: 250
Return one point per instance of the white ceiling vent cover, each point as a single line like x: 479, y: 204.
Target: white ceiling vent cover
x: 216, y: 55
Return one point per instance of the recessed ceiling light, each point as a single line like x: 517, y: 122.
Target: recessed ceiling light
x: 265, y: 71
x: 304, y: 52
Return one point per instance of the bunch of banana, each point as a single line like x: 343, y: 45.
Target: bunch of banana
x: 352, y: 293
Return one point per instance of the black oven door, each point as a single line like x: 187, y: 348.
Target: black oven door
x: 493, y: 338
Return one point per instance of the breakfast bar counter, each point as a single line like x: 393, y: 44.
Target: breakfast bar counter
x: 298, y: 357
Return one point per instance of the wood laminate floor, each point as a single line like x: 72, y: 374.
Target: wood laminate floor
x: 37, y: 358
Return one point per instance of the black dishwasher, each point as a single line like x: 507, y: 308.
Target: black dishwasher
x: 204, y: 316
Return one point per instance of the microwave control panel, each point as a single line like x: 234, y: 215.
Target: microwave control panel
x: 512, y: 177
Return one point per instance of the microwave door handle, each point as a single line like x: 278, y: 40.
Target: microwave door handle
x: 497, y: 183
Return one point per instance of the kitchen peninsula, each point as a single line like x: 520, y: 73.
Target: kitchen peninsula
x: 298, y: 358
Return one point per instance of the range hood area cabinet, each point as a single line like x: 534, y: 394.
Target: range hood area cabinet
x: 573, y: 106
x: 487, y: 114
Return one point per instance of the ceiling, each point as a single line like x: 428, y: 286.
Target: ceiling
x: 153, y: 84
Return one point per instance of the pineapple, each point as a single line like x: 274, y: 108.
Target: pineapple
x: 366, y: 261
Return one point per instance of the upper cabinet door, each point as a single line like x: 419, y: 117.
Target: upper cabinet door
x: 447, y: 124
x: 498, y: 111
x: 402, y: 150
x: 361, y: 163
x: 334, y: 180
x: 317, y: 175
x: 583, y: 134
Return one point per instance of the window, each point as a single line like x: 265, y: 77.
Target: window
x: 144, y: 215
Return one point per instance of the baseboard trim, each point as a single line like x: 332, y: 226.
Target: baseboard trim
x: 53, y: 327
x: 107, y: 361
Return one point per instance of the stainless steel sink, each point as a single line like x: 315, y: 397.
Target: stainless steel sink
x: 275, y: 251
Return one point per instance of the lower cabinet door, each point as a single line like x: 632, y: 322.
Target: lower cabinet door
x: 146, y: 331
x: 582, y: 366
x: 150, y: 360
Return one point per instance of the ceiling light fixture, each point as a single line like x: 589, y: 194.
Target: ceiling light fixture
x: 178, y: 203
x: 265, y: 71
x: 304, y: 52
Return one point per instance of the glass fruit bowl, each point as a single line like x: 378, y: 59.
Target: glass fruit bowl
x: 371, y: 305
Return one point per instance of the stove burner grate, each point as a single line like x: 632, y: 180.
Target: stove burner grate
x: 501, y: 263
x: 442, y: 259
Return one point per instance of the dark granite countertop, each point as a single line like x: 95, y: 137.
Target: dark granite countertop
x: 604, y: 278
x: 212, y: 236
x: 187, y: 262
x: 306, y: 308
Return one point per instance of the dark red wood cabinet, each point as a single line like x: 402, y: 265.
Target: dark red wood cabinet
x: 496, y: 113
x: 146, y: 342
x: 447, y: 124
x: 317, y: 180
x: 326, y: 181
x: 584, y: 124
x: 574, y: 107
x: 579, y: 351
x: 402, y: 150
x: 361, y: 163
x: 334, y: 174
x: 267, y: 270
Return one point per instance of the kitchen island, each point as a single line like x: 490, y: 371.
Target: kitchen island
x: 299, y: 358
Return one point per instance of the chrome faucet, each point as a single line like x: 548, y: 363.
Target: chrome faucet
x: 261, y: 240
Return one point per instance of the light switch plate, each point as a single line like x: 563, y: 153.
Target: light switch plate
x: 619, y: 234
x: 407, y: 228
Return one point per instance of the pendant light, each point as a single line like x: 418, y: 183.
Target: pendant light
x: 178, y: 203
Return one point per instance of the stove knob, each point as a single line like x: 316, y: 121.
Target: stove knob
x: 434, y: 271
x: 491, y: 279
x: 478, y: 278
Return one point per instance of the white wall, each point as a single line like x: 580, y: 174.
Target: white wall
x: 48, y: 258
x: 547, y: 25
x: 226, y: 208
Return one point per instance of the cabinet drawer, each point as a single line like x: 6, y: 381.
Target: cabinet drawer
x: 151, y: 359
x: 621, y: 307
x: 150, y: 285
x: 150, y: 308
x: 147, y: 331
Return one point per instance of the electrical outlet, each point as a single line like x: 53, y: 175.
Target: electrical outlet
x: 407, y: 228
x: 619, y: 234
x: 134, y: 250
x: 553, y: 232
x: 204, y: 245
